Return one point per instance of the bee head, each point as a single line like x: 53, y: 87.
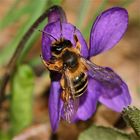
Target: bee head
x: 58, y: 46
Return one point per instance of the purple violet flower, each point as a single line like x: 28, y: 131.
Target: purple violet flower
x: 104, y: 85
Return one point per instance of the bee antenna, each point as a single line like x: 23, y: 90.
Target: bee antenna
x: 47, y: 34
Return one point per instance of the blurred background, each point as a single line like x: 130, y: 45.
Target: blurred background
x: 24, y: 113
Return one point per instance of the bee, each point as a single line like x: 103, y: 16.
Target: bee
x: 67, y: 60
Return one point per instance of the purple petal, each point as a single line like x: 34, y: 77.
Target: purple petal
x: 55, y: 104
x: 88, y: 101
x: 116, y: 103
x: 107, y: 30
x: 56, y: 13
x: 113, y: 90
x: 67, y: 32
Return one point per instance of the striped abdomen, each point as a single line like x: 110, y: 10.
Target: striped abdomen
x: 80, y: 84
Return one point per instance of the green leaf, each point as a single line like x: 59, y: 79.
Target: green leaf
x: 132, y: 116
x: 11, y: 15
x: 35, y: 61
x: 104, y: 133
x: 56, y: 2
x: 32, y: 11
x: 27, y: 47
x: 4, y: 136
x: 21, y: 99
x: 125, y: 3
x: 86, y: 31
x: 83, y: 10
x: 31, y: 42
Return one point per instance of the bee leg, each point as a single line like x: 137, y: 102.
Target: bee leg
x: 64, y: 94
x: 63, y: 87
x: 51, y: 66
x: 78, y: 45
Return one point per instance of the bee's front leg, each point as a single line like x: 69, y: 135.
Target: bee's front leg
x: 52, y: 66
x: 78, y: 45
x: 64, y: 94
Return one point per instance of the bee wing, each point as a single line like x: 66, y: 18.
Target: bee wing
x: 70, y: 107
x: 106, y: 77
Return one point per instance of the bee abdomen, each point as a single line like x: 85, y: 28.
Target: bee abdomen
x: 80, y: 84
